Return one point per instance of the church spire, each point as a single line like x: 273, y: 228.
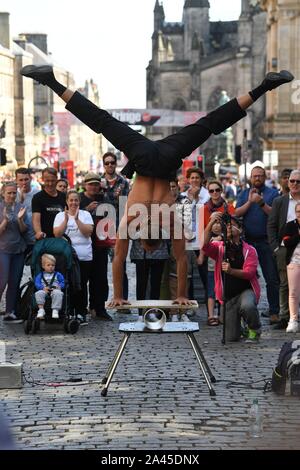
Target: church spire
x: 157, y: 6
x: 159, y: 16
x: 245, y: 10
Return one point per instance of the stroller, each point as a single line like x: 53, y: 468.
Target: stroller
x: 66, y: 264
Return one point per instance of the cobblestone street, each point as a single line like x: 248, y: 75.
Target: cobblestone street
x: 157, y: 399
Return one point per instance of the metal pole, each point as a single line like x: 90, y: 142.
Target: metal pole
x: 203, y: 370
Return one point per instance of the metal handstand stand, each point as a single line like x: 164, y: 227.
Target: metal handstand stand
x: 189, y: 328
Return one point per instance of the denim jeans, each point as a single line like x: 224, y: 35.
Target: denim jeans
x: 11, y: 269
x: 269, y: 269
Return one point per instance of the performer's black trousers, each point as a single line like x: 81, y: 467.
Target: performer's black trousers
x: 154, y: 158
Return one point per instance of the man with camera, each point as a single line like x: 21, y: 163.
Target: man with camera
x: 237, y: 261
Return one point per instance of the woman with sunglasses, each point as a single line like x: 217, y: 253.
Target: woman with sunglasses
x: 13, y: 223
x: 216, y: 202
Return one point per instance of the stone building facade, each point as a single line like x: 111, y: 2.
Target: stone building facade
x: 193, y: 61
x: 282, y: 126
x: 30, y: 109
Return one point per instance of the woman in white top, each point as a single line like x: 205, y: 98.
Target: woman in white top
x: 78, y: 225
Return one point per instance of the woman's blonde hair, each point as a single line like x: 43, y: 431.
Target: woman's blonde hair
x: 6, y: 184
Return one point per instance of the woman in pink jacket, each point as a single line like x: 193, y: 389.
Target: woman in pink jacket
x: 242, y: 290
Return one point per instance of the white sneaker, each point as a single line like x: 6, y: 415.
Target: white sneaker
x: 292, y: 326
x: 40, y: 314
x: 174, y: 317
x: 55, y: 314
x: 184, y: 317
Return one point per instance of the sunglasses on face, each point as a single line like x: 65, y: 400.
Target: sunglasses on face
x: 294, y: 181
x: 215, y: 190
x: 109, y: 163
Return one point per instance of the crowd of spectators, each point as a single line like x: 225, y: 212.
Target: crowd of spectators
x: 234, y: 231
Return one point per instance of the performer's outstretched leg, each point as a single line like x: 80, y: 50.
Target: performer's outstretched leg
x: 155, y: 159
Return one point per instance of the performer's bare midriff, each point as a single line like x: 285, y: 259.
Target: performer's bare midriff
x: 154, y: 163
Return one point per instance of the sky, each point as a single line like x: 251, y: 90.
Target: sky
x: 106, y: 40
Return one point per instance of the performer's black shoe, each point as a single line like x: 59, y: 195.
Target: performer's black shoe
x: 273, y: 79
x: 41, y: 73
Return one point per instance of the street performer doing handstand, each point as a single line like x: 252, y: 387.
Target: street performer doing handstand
x: 155, y: 162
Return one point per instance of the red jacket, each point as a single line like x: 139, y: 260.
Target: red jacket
x: 221, y: 209
x: 215, y: 250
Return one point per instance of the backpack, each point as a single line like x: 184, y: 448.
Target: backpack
x: 286, y: 375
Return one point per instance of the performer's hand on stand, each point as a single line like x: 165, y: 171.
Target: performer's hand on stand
x: 117, y: 302
x: 182, y: 301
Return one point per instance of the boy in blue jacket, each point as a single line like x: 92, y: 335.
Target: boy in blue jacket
x: 49, y: 282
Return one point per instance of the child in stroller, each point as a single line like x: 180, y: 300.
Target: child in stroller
x: 65, y: 264
x: 49, y: 282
